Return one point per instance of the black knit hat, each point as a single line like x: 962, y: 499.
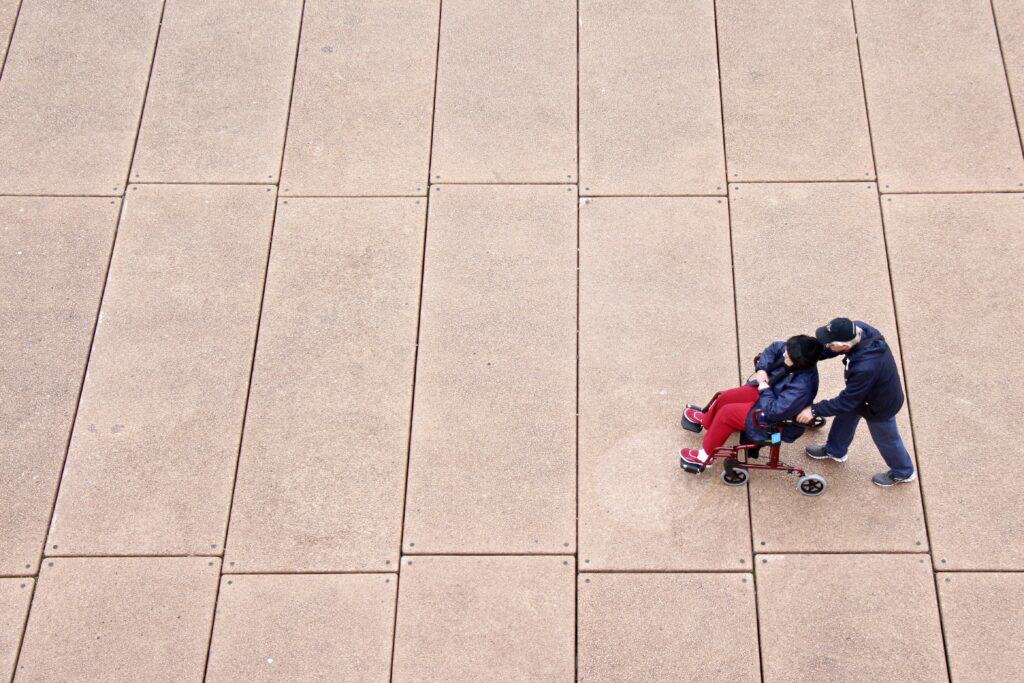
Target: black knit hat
x: 839, y: 331
x: 803, y: 350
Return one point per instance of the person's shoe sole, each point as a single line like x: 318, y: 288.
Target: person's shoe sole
x: 825, y: 456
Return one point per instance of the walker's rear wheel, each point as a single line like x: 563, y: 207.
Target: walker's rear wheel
x: 737, y: 476
x: 812, y: 485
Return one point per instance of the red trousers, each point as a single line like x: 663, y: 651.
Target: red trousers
x: 728, y: 414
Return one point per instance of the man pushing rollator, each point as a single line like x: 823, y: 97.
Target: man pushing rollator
x: 873, y: 393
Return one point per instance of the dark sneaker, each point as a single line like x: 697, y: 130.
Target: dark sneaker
x: 689, y: 460
x: 887, y: 479
x: 819, y: 453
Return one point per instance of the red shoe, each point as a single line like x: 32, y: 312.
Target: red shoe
x: 689, y: 460
x: 693, y: 419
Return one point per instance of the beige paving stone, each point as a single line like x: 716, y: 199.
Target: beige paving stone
x: 644, y: 353
x: 485, y: 618
x: 981, y: 620
x: 364, y: 97
x: 493, y: 455
x: 8, y: 13
x: 124, y: 618
x: 804, y: 254
x: 791, y: 90
x: 650, y: 120
x: 322, y: 473
x: 303, y: 627
x: 667, y: 627
x: 152, y: 458
x: 506, y: 84
x: 217, y: 105
x: 956, y: 268
x: 53, y: 259
x: 15, y: 596
x: 848, y: 617
x: 941, y: 118
x: 69, y: 103
x: 1010, y: 19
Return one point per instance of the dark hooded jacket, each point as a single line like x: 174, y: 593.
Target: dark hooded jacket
x: 790, y: 392
x: 873, y: 389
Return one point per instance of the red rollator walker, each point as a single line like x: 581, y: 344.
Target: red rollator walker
x: 741, y: 457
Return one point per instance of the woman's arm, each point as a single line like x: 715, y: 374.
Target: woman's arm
x: 784, y: 404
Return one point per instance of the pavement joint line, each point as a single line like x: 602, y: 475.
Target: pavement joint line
x: 896, y: 319
x: 1006, y: 74
x: 576, y: 483
x: 416, y: 346
x: 10, y: 40
x: 947, y: 192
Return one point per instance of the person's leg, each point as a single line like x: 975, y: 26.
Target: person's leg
x: 886, y: 435
x: 840, y: 435
x: 743, y: 394
x: 730, y: 418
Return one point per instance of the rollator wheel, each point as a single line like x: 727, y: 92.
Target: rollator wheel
x: 812, y: 485
x: 818, y: 422
x: 737, y: 476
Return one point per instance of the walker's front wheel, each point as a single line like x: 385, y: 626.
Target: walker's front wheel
x: 812, y: 485
x: 737, y: 476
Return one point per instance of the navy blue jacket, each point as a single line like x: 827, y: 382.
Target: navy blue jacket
x: 790, y: 393
x: 873, y: 389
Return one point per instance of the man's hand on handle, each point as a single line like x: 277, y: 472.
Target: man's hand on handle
x: 805, y: 416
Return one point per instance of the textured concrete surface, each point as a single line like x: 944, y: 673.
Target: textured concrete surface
x: 322, y: 470
x: 941, y: 117
x: 151, y: 464
x: 485, y: 618
x: 637, y: 509
x: 505, y: 107
x: 69, y: 107
x: 858, y: 617
x: 509, y: 241
x: 124, y: 618
x: 217, y: 104
x: 303, y: 627
x: 492, y: 457
x: 15, y: 596
x: 52, y: 267
x: 1010, y: 15
x: 786, y: 230
x: 650, y: 120
x: 956, y: 265
x: 792, y: 98
x: 348, y: 135
x: 667, y: 627
x: 981, y: 620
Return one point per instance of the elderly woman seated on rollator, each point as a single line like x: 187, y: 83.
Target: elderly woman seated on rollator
x: 785, y: 383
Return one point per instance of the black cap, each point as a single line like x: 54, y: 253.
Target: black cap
x: 839, y: 331
x: 803, y: 350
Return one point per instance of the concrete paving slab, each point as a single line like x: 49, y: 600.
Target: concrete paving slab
x: 53, y: 262
x: 493, y: 454
x: 124, y: 618
x: 70, y: 107
x: 650, y: 119
x: 485, y: 618
x: 1010, y: 21
x: 791, y: 91
x: 667, y: 627
x: 152, y: 458
x: 15, y: 596
x: 364, y: 98
x: 981, y: 620
x: 303, y: 627
x: 956, y: 268
x: 218, y: 98
x: 643, y: 355
x: 8, y: 14
x: 941, y: 118
x: 505, y: 108
x: 792, y: 275
x: 322, y: 473
x: 848, y: 617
